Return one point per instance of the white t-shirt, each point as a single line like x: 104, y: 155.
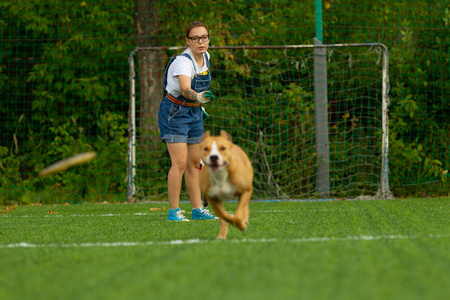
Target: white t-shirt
x: 182, y: 66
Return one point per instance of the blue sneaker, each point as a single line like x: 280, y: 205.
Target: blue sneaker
x: 176, y: 215
x: 202, y: 214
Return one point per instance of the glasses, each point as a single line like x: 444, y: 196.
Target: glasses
x: 196, y: 39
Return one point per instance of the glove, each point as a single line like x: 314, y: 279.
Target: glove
x: 205, y: 114
x: 205, y: 97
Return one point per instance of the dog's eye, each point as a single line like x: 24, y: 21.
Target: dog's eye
x: 222, y: 148
x: 206, y: 149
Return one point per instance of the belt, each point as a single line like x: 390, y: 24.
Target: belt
x: 183, y: 103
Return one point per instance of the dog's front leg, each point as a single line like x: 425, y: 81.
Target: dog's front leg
x: 224, y: 217
x: 223, y: 232
x: 242, y: 211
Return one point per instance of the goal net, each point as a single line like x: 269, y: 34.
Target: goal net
x: 267, y: 99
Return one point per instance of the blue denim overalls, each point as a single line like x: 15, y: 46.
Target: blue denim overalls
x: 199, y: 83
x: 180, y: 119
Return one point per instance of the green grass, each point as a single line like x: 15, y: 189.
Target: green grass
x: 389, y: 249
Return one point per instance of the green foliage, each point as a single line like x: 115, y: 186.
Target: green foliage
x: 69, y: 88
x: 9, y: 169
x: 64, y: 84
x: 418, y: 46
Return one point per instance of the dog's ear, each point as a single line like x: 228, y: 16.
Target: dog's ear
x: 206, y: 135
x: 225, y: 134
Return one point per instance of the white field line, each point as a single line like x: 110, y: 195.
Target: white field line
x: 243, y: 241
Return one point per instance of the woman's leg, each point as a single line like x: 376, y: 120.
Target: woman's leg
x: 192, y: 175
x: 179, y: 156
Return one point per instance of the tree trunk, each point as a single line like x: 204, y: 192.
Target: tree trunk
x: 150, y: 72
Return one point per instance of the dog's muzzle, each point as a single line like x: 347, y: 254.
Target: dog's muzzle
x: 214, y: 162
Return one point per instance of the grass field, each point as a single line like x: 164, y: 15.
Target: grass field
x: 387, y: 249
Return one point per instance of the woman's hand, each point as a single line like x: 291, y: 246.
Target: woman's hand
x: 205, y: 97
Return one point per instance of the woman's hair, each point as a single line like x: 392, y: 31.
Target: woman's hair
x: 194, y: 25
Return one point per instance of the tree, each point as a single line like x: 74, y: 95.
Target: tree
x: 146, y: 26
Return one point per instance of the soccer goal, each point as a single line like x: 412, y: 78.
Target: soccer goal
x: 312, y: 118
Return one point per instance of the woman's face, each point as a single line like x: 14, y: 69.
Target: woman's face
x: 200, y: 47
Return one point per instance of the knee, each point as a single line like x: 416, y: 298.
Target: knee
x: 179, y: 165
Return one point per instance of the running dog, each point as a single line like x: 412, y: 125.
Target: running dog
x: 227, y: 173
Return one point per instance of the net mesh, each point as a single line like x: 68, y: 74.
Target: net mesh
x: 265, y: 100
x: 64, y: 83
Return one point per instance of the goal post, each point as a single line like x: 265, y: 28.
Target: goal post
x: 266, y: 99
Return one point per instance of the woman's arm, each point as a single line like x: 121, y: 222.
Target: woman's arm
x: 185, y: 87
x: 187, y: 92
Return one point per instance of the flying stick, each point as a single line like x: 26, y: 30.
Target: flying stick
x: 67, y: 163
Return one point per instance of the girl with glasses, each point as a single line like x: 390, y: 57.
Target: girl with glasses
x: 180, y: 119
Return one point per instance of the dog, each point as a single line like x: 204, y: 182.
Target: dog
x: 227, y: 173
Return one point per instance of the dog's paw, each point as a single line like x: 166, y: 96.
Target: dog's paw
x: 221, y: 237
x: 242, y: 225
x: 246, y: 226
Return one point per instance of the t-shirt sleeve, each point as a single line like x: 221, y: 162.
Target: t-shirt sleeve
x: 182, y: 66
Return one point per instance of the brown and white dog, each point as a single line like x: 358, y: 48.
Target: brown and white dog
x: 227, y: 173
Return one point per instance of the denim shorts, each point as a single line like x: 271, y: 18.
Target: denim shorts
x: 180, y: 124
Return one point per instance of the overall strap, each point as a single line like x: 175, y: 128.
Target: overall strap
x: 193, y: 64
x: 166, y: 71
x: 207, y: 60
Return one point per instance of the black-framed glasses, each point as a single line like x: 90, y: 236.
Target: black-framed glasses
x: 196, y: 39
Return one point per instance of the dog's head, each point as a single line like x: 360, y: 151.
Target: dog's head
x: 216, y: 150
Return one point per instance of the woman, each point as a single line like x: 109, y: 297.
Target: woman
x: 180, y: 119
